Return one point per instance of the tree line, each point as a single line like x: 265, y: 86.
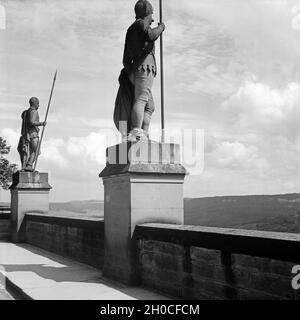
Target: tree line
x: 6, y: 168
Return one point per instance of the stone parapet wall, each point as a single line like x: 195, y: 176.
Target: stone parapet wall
x: 188, y: 262
x: 215, y: 263
x: 5, y: 227
x: 81, y: 239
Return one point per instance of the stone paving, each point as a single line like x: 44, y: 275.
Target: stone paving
x: 4, y: 295
x: 41, y: 275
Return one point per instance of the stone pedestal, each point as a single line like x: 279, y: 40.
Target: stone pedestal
x: 143, y: 182
x: 29, y: 193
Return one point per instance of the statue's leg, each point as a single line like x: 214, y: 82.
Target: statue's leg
x: 21, y: 154
x: 142, y: 91
x: 149, y: 109
x: 34, y: 142
x: 22, y: 160
x: 25, y: 160
x: 21, y: 151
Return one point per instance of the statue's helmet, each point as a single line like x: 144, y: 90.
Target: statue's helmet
x: 33, y: 101
x: 142, y: 9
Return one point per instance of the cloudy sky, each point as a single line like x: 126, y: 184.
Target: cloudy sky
x: 231, y: 69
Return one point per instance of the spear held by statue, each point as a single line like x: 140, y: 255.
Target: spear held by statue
x: 162, y: 78
x: 46, y: 116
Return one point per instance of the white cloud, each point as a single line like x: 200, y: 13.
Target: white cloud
x: 10, y: 111
x: 212, y: 49
x: 89, y: 148
x: 52, y: 151
x: 11, y: 136
x: 237, y: 155
x: 258, y: 107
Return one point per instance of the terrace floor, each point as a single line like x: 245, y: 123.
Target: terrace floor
x: 4, y: 295
x: 40, y: 275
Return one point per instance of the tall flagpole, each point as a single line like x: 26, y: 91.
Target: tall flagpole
x: 40, y: 141
x: 162, y: 78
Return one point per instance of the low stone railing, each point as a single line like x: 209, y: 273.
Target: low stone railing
x: 214, y: 263
x: 5, y: 224
x: 5, y: 210
x: 189, y: 262
x: 79, y: 238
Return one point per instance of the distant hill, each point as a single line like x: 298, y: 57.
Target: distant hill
x: 264, y: 212
x: 277, y: 224
x: 93, y: 208
x: 257, y: 212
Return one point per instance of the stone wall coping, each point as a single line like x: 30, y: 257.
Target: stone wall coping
x: 5, y: 216
x: 143, y: 168
x: 275, y: 245
x: 77, y: 222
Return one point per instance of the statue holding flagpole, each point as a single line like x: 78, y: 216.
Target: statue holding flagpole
x: 134, y: 102
x: 30, y: 143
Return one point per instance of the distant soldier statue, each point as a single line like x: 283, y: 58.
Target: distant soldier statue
x: 134, y: 103
x: 29, y: 140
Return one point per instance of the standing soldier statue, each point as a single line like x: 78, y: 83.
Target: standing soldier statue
x: 134, y: 103
x: 29, y: 141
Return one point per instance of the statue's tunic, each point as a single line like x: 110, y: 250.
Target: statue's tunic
x: 29, y: 132
x: 139, y: 50
x: 24, y: 141
x: 32, y: 122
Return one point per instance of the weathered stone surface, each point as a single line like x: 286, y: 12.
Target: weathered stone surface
x: 146, y: 185
x: 215, y: 290
x: 206, y: 255
x: 283, y: 268
x: 81, y: 240
x: 245, y: 294
x: 148, y: 151
x: 271, y: 245
x: 213, y: 274
x: 165, y: 281
x: 30, y: 180
x: 163, y: 247
x: 145, y: 157
x: 41, y: 275
x: 210, y: 271
x: 265, y: 282
x: 142, y: 168
x: 5, y: 229
x: 169, y: 262
x: 29, y: 193
x: 250, y: 262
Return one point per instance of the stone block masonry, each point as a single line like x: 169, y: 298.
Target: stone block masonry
x: 29, y: 193
x: 192, y: 262
x: 81, y: 239
x: 5, y: 227
x: 188, y: 262
x: 143, y: 182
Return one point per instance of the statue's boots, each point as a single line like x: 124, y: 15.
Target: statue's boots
x: 28, y: 168
x: 136, y: 134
